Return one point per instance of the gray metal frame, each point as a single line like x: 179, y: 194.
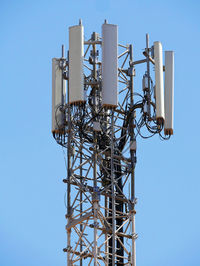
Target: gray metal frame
x: 101, y: 159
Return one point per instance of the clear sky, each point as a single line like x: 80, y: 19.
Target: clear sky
x: 32, y: 222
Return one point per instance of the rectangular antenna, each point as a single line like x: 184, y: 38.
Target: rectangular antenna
x: 76, y: 54
x: 58, y: 96
x: 159, y: 90
x: 109, y: 65
x: 169, y: 92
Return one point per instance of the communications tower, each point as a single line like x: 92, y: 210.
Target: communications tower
x: 97, y: 114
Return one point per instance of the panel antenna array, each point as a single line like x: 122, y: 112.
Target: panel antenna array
x: 98, y: 125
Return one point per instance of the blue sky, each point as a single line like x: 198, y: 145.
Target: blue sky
x: 32, y: 166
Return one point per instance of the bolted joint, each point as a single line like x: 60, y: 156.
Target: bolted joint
x: 96, y: 196
x: 94, y: 53
x: 95, y: 36
x: 134, y: 235
x: 131, y: 206
x: 133, y: 146
x: 135, y: 200
x: 66, y: 75
x: 131, y: 71
x: 67, y: 249
x: 69, y: 213
x: 94, y: 225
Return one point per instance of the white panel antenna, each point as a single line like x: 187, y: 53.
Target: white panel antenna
x: 109, y: 65
x: 58, y: 96
x: 76, y: 54
x: 159, y: 89
x: 169, y: 92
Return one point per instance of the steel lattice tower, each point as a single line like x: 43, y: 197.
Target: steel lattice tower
x: 100, y: 140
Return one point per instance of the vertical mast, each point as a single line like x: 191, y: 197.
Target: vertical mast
x: 68, y: 174
x: 133, y: 156
x: 95, y: 199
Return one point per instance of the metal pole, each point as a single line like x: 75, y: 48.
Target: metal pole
x: 113, y: 189
x: 133, y: 240
x: 106, y: 235
x: 148, y: 75
x: 81, y: 199
x: 95, y: 202
x: 68, y: 176
x: 132, y: 153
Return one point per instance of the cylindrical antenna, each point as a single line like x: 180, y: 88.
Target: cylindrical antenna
x: 58, y: 97
x: 80, y: 21
x: 159, y: 91
x: 148, y: 76
x: 106, y: 21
